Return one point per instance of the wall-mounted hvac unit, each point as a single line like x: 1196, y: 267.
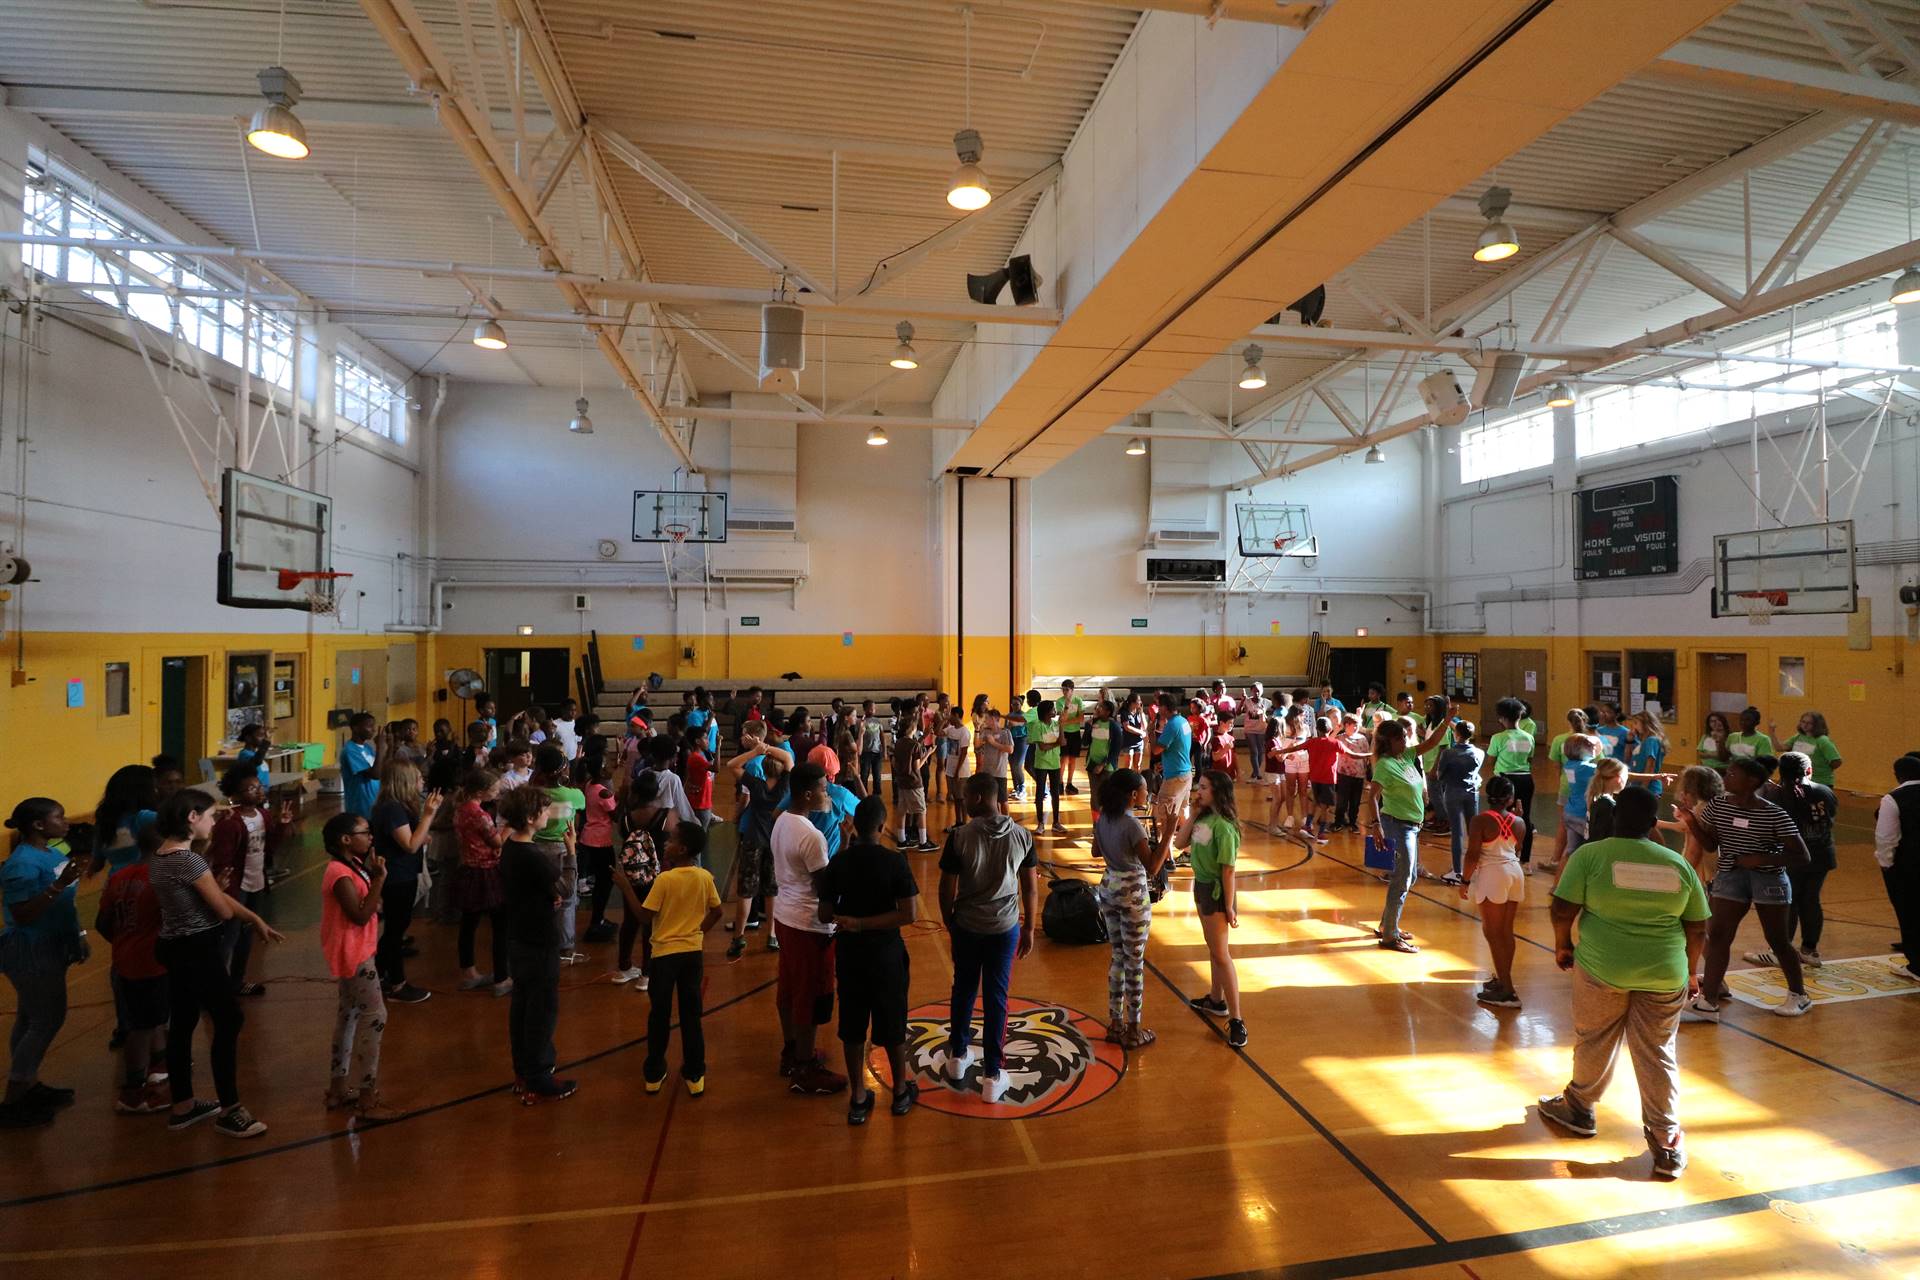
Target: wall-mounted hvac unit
x: 1185, y: 537
x: 1161, y: 570
x: 783, y: 563
x: 582, y: 601
x: 1322, y: 606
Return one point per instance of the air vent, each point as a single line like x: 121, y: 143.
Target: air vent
x: 1168, y: 537
x: 1182, y: 571
x: 760, y: 526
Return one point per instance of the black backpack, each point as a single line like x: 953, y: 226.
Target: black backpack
x: 1072, y: 913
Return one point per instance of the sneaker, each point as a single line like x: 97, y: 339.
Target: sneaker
x: 548, y: 1089
x: 1073, y: 791
x: 1907, y: 971
x: 652, y: 1085
x: 640, y: 983
x: 1765, y: 959
x: 180, y: 1120
x: 1453, y: 878
x: 407, y: 993
x: 928, y: 846
x: 475, y: 983
x: 1207, y: 1004
x: 1059, y: 830
x: 905, y: 1097
x: 621, y: 977
x: 141, y: 1100
x: 954, y: 1068
x: 1669, y: 1162
x: 1567, y: 1116
x: 736, y: 949
x: 695, y: 1086
x: 601, y: 932
x: 753, y: 923
x: 1796, y: 1003
x: 1812, y: 960
x: 47, y: 1095
x: 992, y: 1087
x: 504, y: 987
x: 858, y: 1109
x: 1700, y: 1009
x: 573, y: 957
x: 1498, y: 998
x: 238, y: 1122
x: 816, y: 1080
x: 773, y: 943
x: 1236, y: 1034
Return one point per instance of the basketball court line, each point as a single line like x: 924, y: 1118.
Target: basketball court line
x: 335, y: 1135
x: 1889, y: 1090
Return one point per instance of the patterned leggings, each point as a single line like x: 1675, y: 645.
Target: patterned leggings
x: 357, y: 1026
x: 1127, y: 910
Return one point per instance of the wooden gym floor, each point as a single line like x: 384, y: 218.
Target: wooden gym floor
x: 1377, y: 1124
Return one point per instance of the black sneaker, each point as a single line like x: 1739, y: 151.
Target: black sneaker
x: 736, y: 949
x: 1207, y: 1004
x: 773, y: 943
x: 905, y: 1097
x: 753, y: 922
x: 50, y: 1096
x: 1564, y: 1114
x: 407, y: 993
x: 600, y: 932
x: 858, y: 1109
x: 1668, y: 1162
x: 1237, y: 1034
x: 1073, y: 791
x: 238, y: 1122
x: 179, y: 1120
x: 548, y: 1089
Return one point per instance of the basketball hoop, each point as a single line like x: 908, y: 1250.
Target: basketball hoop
x: 1760, y: 605
x: 320, y: 598
x: 1280, y: 542
x: 676, y: 530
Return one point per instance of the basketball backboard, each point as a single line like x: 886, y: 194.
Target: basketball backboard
x: 673, y: 515
x: 1804, y: 568
x: 1271, y: 529
x: 269, y: 530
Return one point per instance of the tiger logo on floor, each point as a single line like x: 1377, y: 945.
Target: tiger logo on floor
x: 1057, y: 1059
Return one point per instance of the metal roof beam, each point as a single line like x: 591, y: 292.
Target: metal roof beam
x: 1273, y: 13
x: 1783, y: 80
x: 888, y: 267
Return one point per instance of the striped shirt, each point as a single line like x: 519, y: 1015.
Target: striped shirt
x: 1762, y: 829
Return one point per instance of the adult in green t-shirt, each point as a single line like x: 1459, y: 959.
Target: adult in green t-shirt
x: 556, y: 838
x: 1211, y: 835
x: 1712, y: 747
x: 1073, y: 716
x: 1643, y: 917
x: 1510, y: 755
x: 1400, y: 803
x: 1375, y: 708
x: 1750, y: 743
x: 1810, y: 740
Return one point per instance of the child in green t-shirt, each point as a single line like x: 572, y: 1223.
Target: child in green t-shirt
x: 1211, y: 834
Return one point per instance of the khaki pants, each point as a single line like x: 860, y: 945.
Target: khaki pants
x: 1648, y: 1021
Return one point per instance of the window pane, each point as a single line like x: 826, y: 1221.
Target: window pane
x: 116, y: 689
x: 1503, y: 447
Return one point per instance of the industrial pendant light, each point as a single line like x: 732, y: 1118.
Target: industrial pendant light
x: 274, y: 128
x: 903, y: 354
x: 1252, y: 376
x: 1136, y: 447
x: 1559, y: 396
x: 1374, y: 455
x: 581, y: 425
x: 490, y: 335
x: 968, y: 188
x: 877, y: 437
x: 1498, y: 240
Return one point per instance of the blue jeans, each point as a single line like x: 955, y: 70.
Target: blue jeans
x: 36, y: 965
x: 1404, y: 838
x: 1460, y: 804
x: 982, y: 965
x: 1018, y: 762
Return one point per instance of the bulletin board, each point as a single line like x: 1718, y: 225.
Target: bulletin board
x: 1460, y: 676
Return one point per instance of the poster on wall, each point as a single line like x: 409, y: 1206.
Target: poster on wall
x: 1460, y: 676
x: 1628, y: 530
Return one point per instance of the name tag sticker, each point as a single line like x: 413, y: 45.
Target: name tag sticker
x: 1743, y: 748
x: 1742, y: 823
x: 1203, y: 834
x: 1646, y: 877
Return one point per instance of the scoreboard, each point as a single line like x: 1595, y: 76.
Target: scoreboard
x: 1629, y: 530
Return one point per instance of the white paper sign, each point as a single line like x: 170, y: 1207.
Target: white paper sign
x: 1606, y: 679
x: 1532, y: 681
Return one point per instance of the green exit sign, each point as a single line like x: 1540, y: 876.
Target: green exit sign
x: 749, y: 622
x: 1140, y: 624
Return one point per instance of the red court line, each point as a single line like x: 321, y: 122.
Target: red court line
x: 646, y: 1194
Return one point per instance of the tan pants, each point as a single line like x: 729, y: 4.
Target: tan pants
x: 1648, y: 1021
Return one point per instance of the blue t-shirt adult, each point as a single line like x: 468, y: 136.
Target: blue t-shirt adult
x: 1615, y: 736
x: 358, y: 786
x: 1577, y: 774
x: 1176, y: 748
x: 830, y: 820
x: 1649, y: 754
x: 25, y: 876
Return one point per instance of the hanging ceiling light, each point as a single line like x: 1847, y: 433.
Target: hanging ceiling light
x: 1136, y: 447
x: 1252, y: 377
x: 581, y: 425
x: 877, y: 437
x: 490, y: 335
x: 1374, y: 455
x: 903, y: 354
x: 1560, y: 395
x: 1498, y: 240
x: 968, y: 188
x: 274, y: 128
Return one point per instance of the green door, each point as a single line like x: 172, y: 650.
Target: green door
x: 173, y: 707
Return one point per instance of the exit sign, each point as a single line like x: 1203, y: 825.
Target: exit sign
x: 750, y: 622
x: 1140, y: 624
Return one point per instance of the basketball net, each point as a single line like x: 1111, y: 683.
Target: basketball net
x: 316, y: 587
x: 678, y: 532
x: 1760, y: 606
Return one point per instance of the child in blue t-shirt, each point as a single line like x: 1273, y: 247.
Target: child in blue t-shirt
x: 1613, y: 735
x: 1017, y: 760
x: 1576, y: 772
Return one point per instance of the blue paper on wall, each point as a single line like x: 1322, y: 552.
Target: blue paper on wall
x: 76, y: 693
x: 639, y: 642
x: 846, y: 639
x: 356, y: 675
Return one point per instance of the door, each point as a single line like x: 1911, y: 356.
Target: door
x: 359, y: 684
x: 521, y: 678
x: 1604, y: 679
x: 183, y: 705
x: 1723, y: 686
x: 1512, y: 673
x: 1350, y: 671
x: 284, y: 713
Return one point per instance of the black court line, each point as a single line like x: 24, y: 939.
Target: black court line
x: 1857, y: 1078
x: 1505, y: 1244
x: 334, y: 1135
x: 1346, y: 1152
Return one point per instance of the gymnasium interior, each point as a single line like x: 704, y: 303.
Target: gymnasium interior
x: 383, y: 356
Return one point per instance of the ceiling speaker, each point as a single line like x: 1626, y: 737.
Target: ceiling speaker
x: 1018, y: 272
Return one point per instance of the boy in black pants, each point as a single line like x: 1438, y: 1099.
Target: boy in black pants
x: 530, y: 883
x: 681, y: 906
x: 868, y: 894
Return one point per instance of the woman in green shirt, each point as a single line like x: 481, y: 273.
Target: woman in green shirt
x: 1400, y: 802
x: 1712, y: 747
x: 1750, y: 743
x: 1510, y: 756
x: 1211, y: 834
x: 1525, y: 723
x: 1810, y: 740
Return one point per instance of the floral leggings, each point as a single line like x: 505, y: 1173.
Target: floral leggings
x: 1127, y: 910
x: 362, y: 1016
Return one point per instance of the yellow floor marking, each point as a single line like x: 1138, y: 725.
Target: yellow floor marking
x: 1026, y: 1143
x: 449, y: 1225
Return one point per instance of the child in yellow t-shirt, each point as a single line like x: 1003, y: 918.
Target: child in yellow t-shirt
x: 681, y: 906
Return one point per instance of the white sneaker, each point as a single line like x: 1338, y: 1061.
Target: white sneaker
x: 1700, y: 1009
x: 1907, y: 971
x: 1765, y: 959
x: 1812, y: 960
x: 573, y: 957
x: 624, y: 976
x: 956, y: 1067
x: 1793, y: 1006
x: 991, y: 1087
x: 640, y: 983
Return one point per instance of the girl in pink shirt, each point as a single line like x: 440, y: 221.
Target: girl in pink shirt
x: 349, y: 912
x: 597, y: 839
x: 476, y: 890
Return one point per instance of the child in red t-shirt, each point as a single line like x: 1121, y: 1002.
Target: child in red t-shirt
x: 129, y: 918
x: 698, y: 776
x: 1222, y: 749
x: 1323, y: 760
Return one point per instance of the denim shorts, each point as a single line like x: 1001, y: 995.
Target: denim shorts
x: 1767, y: 887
